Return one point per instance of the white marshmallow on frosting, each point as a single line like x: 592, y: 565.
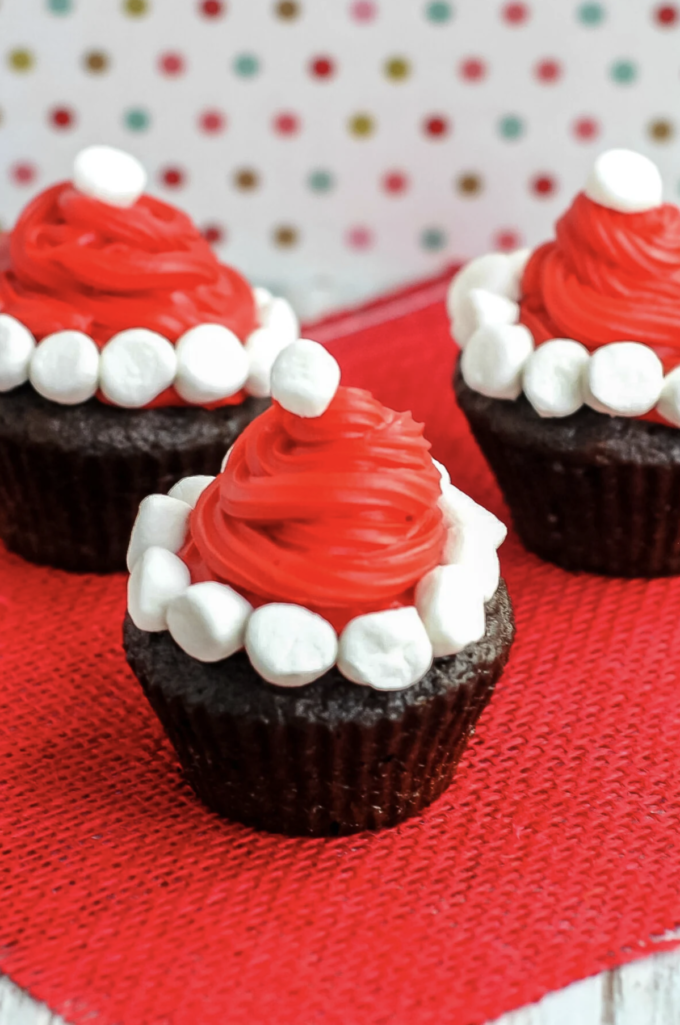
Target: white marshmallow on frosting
x: 136, y: 366
x: 110, y: 175
x: 443, y: 473
x: 498, y: 273
x: 305, y: 378
x: 493, y: 360
x: 161, y: 522
x: 211, y: 364
x: 464, y: 514
x: 451, y: 606
x: 489, y: 308
x: 624, y: 379
x: 669, y: 402
x: 16, y: 349
x: 156, y: 579
x: 387, y: 650
x: 263, y: 300
x: 624, y: 180
x: 280, y: 317
x: 65, y: 367
x: 190, y: 489
x: 288, y: 645
x: 208, y: 621
x: 553, y: 379
x: 262, y: 347
x: 473, y: 550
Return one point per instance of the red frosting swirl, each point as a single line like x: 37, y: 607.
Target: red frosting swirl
x: 73, y: 262
x: 337, y: 513
x: 608, y: 276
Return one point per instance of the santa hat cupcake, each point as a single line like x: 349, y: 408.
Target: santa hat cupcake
x: 318, y: 627
x: 570, y: 375
x: 127, y: 354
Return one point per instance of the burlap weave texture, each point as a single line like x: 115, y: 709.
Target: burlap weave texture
x: 554, y: 854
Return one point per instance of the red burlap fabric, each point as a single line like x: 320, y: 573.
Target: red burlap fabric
x: 555, y: 853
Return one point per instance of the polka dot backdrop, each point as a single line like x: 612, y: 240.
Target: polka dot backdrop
x: 334, y: 149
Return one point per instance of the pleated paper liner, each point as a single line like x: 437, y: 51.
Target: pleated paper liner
x: 72, y: 477
x: 587, y: 492
x: 326, y: 759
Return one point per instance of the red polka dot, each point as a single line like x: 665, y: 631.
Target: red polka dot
x: 23, y: 172
x: 359, y: 238
x: 62, y: 117
x: 473, y: 69
x: 286, y: 124
x: 666, y: 15
x: 586, y: 128
x: 548, y: 70
x: 395, y: 182
x: 515, y: 14
x: 212, y: 8
x: 171, y: 63
x: 543, y: 185
x: 172, y: 177
x: 322, y: 67
x: 436, y: 126
x: 212, y: 121
x: 507, y: 239
x: 213, y: 233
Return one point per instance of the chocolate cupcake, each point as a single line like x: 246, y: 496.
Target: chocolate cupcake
x: 319, y: 627
x: 128, y: 354
x: 570, y: 375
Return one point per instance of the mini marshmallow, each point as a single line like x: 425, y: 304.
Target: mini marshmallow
x: 305, y: 378
x: 110, y: 175
x: 669, y: 403
x: 493, y: 360
x: 451, y: 606
x: 624, y: 379
x: 290, y: 646
x: 157, y: 578
x: 280, y: 317
x: 65, y: 367
x: 136, y: 366
x: 473, y: 550
x: 464, y: 514
x: 208, y: 621
x: 493, y: 272
x: 488, y: 308
x: 263, y: 300
x: 190, y: 489
x: 387, y: 650
x: 624, y: 180
x: 211, y: 364
x: 16, y: 349
x: 554, y: 375
x: 518, y: 261
x: 161, y: 522
x: 262, y: 347
x: 443, y: 473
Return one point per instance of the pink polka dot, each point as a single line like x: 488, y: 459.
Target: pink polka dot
x: 286, y: 123
x: 212, y: 121
x: 359, y: 238
x: 171, y: 63
x: 473, y: 69
x: 363, y: 10
x: 548, y: 70
x: 23, y: 172
x: 543, y: 185
x: 515, y: 14
x: 172, y: 177
x: 395, y: 182
x: 213, y: 233
x: 586, y: 128
x: 507, y: 239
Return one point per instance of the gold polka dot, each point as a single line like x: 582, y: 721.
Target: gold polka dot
x: 96, y: 61
x: 397, y: 68
x: 661, y: 130
x: 21, y: 60
x: 246, y: 179
x: 361, y: 125
x: 285, y: 236
x: 469, y: 184
x: 136, y: 8
x: 288, y: 10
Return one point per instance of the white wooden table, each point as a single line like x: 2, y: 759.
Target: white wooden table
x: 646, y: 992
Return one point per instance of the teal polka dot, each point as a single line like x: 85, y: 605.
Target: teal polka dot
x: 59, y: 6
x: 246, y: 65
x: 511, y: 126
x: 590, y: 14
x: 439, y: 12
x: 432, y: 239
x: 320, y: 181
x: 136, y: 119
x: 623, y: 71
